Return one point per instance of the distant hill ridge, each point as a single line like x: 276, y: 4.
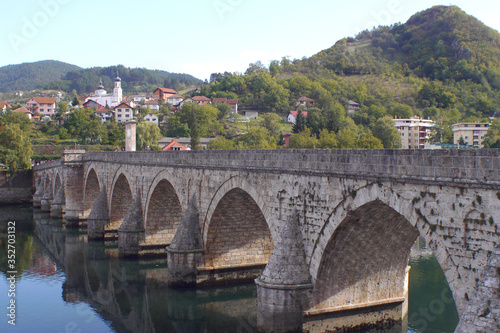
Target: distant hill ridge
x: 57, y: 75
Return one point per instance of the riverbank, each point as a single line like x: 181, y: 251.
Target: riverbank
x: 17, y: 189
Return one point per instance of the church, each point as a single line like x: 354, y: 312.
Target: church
x: 101, y: 97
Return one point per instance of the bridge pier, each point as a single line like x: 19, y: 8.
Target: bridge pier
x: 131, y: 232
x: 284, y: 288
x: 98, y: 218
x: 186, y: 252
x: 57, y: 206
x: 46, y: 201
x: 73, y: 175
x: 37, y: 197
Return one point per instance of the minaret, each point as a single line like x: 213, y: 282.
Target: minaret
x: 117, y: 91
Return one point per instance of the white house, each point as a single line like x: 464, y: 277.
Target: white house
x: 174, y: 100
x: 152, y: 118
x: 152, y: 105
x: 105, y: 114
x: 292, y: 116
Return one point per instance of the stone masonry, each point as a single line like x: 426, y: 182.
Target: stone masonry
x: 356, y: 208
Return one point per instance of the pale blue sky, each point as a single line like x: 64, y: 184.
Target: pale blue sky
x: 198, y: 37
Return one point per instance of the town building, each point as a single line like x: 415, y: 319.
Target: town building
x: 200, y: 100
x: 124, y: 112
x: 353, y: 107
x: 25, y: 111
x: 174, y: 146
x: 152, y: 105
x: 292, y: 116
x: 3, y: 106
x: 472, y: 133
x: 184, y: 141
x: 164, y: 93
x: 305, y: 102
x: 151, y: 118
x: 174, y: 100
x: 414, y: 132
x: 250, y: 114
x: 45, y: 106
x: 110, y: 100
x: 232, y: 102
x: 92, y: 104
x: 104, y: 114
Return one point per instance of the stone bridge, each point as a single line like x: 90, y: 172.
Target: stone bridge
x: 333, y: 228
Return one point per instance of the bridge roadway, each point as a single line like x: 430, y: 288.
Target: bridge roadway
x: 333, y: 228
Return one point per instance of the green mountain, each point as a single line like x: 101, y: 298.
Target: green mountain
x: 133, y: 79
x: 28, y: 76
x: 439, y: 44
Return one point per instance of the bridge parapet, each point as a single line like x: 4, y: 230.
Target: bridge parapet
x: 446, y: 165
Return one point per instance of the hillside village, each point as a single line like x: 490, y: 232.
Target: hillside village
x: 113, y: 106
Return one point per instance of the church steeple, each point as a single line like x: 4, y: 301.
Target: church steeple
x: 117, y: 91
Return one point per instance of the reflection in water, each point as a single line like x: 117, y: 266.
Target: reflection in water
x: 69, y: 284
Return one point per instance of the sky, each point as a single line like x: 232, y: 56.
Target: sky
x: 198, y: 37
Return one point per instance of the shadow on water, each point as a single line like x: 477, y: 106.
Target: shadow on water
x: 132, y: 295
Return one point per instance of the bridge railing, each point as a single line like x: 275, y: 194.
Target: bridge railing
x: 47, y: 165
x: 456, y: 165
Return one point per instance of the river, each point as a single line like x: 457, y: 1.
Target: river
x: 65, y: 284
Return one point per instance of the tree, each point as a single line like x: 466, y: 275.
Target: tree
x: 221, y: 143
x: 386, y: 131
x: 492, y: 137
x: 256, y: 138
x: 327, y: 140
x: 368, y: 141
x: 300, y: 123
x: 303, y: 139
x: 271, y: 122
x: 347, y: 138
x: 224, y: 110
x: 148, y: 135
x: 15, y: 148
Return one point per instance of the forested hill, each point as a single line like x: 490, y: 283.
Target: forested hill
x: 439, y: 43
x: 456, y: 54
x: 51, y: 74
x: 133, y: 79
x: 28, y: 76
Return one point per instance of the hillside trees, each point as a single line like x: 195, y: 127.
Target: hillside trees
x: 15, y: 144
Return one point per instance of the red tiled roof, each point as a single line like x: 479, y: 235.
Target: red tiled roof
x: 296, y: 113
x: 45, y: 100
x: 305, y: 99
x: 220, y: 100
x: 22, y: 109
x: 200, y: 98
x: 232, y: 101
x: 3, y: 104
x: 174, y: 144
x: 152, y: 102
x: 124, y: 105
x: 103, y: 110
x: 167, y: 90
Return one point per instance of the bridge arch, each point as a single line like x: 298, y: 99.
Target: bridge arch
x: 365, y: 245
x: 121, y: 199
x: 163, y: 210
x: 91, y: 190
x: 237, y: 232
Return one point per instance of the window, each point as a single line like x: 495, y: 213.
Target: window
x: 119, y: 116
